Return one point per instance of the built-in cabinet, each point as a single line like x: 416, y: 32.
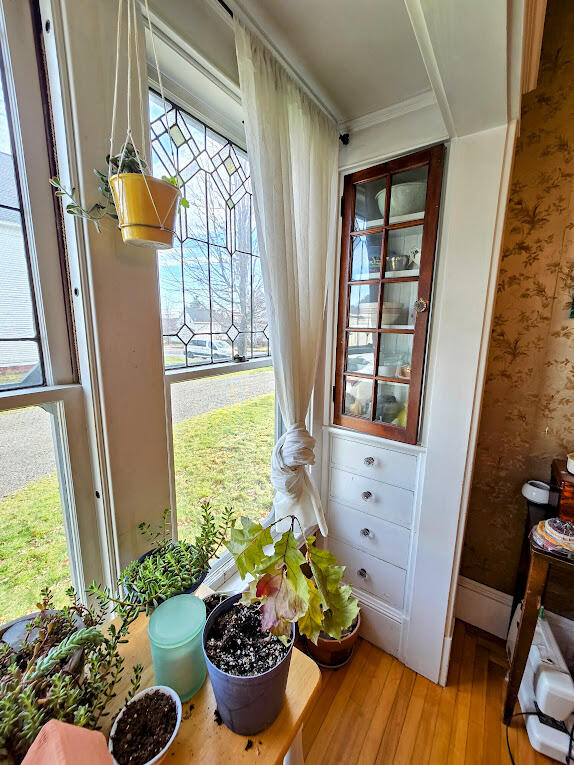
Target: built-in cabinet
x: 389, y: 229
x: 373, y: 467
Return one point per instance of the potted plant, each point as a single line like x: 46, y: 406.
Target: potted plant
x: 146, y: 727
x: 248, y: 640
x: 144, y: 207
x: 38, y: 682
x: 169, y: 568
x: 331, y: 653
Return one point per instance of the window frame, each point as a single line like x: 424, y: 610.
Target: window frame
x: 61, y: 394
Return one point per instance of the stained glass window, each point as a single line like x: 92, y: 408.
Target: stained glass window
x: 212, y: 299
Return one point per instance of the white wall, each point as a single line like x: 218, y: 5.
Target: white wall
x: 473, y: 212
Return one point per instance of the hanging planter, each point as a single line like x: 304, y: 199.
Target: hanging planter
x: 145, y: 207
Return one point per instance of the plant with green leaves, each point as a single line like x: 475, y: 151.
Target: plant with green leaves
x: 317, y: 602
x: 171, y: 567
x: 66, y: 669
x: 127, y: 161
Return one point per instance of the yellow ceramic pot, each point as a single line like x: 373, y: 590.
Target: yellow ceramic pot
x: 147, y: 209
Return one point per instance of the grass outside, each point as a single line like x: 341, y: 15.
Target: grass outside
x: 223, y: 454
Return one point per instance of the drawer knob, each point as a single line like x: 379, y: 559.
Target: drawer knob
x: 366, y: 532
x: 369, y: 461
x: 366, y: 495
x: 362, y: 573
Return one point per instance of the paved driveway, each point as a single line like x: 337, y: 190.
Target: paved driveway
x: 26, y: 450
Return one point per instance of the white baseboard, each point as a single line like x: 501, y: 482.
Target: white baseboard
x: 483, y: 606
x: 489, y: 610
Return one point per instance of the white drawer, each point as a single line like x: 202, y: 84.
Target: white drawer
x: 381, y: 499
x: 375, y: 462
x: 380, y: 630
x: 383, y: 540
x: 381, y: 579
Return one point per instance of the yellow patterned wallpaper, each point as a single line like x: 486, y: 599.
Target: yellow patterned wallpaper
x: 528, y: 406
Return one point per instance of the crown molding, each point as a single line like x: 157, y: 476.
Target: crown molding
x: 413, y: 104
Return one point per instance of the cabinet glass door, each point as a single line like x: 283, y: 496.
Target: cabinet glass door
x: 388, y: 245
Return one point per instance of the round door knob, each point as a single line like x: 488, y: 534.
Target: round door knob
x: 366, y: 495
x: 421, y: 305
x: 362, y: 573
x: 366, y: 532
x: 369, y: 461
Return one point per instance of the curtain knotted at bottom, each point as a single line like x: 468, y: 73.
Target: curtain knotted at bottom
x: 296, y: 493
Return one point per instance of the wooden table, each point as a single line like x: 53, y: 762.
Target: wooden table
x: 200, y: 739
x: 540, y: 562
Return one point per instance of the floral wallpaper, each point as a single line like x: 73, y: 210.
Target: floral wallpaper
x: 528, y: 405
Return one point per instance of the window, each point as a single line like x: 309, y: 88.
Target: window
x: 47, y: 516
x: 215, y: 332
x: 21, y: 361
x: 213, y: 304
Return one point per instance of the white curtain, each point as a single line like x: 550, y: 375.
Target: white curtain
x: 293, y: 152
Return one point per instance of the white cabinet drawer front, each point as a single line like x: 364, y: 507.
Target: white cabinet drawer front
x: 374, y: 462
x: 381, y: 579
x: 371, y: 534
x: 380, y: 630
x: 381, y: 499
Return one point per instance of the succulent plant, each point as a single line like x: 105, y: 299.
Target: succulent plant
x: 37, y: 684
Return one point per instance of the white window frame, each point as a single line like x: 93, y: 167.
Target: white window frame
x: 61, y: 395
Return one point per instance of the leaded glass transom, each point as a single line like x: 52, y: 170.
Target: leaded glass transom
x: 212, y: 299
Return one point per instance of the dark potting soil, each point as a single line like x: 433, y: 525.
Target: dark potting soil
x: 212, y: 601
x: 144, y: 729
x: 237, y: 644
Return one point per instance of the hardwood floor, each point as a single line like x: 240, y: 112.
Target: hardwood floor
x: 375, y: 710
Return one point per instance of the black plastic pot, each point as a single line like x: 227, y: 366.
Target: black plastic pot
x: 247, y: 705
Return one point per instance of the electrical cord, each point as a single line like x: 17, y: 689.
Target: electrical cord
x: 516, y: 714
x: 569, y: 756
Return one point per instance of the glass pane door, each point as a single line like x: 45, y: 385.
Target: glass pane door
x: 387, y: 260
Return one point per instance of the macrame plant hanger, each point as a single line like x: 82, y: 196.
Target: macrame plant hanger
x: 146, y: 206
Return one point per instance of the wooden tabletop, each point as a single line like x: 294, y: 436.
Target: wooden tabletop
x: 200, y: 738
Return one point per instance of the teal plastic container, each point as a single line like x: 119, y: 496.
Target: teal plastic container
x: 175, y: 629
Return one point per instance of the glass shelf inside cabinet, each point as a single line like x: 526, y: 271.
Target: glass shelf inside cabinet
x: 392, y: 403
x: 370, y: 204
x: 395, y: 355
x: 403, y: 252
x: 408, y: 195
x: 398, y: 310
x: 358, y: 396
x: 366, y: 256
x: 360, y: 353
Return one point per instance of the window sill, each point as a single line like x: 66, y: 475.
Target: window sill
x: 213, y: 370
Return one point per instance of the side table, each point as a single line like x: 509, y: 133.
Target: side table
x: 540, y: 563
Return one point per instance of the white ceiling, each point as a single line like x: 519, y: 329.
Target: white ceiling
x: 363, y: 54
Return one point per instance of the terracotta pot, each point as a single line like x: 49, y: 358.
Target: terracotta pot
x: 147, y: 209
x: 334, y: 653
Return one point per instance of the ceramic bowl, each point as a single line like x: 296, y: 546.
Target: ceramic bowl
x: 160, y: 756
x: 408, y: 198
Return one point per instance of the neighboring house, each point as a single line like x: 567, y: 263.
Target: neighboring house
x: 16, y: 307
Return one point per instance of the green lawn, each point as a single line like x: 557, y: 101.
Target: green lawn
x: 223, y: 454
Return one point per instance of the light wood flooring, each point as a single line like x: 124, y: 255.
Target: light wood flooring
x: 375, y: 710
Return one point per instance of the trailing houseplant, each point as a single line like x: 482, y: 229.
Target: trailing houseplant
x: 248, y: 639
x: 169, y: 568
x: 36, y: 680
x: 144, y: 207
